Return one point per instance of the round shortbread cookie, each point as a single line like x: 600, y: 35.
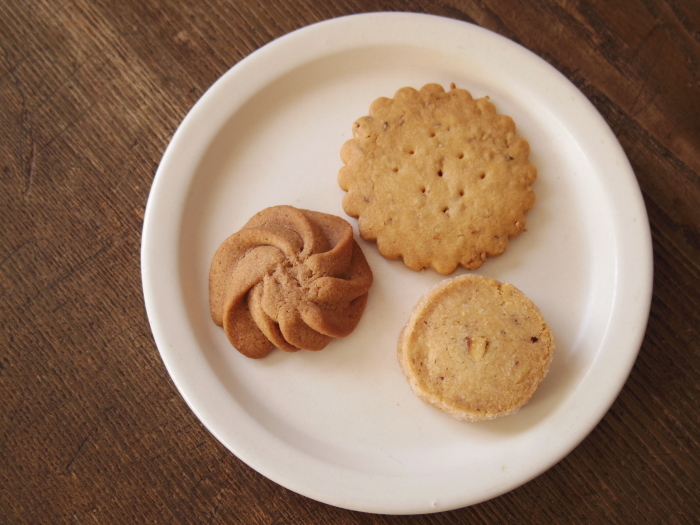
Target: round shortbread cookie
x: 475, y: 348
x: 437, y: 178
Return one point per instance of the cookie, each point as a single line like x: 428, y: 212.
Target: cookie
x: 290, y: 278
x: 437, y: 178
x: 475, y: 348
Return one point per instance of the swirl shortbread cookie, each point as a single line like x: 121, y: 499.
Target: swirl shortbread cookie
x: 291, y: 279
x: 475, y: 348
x: 437, y: 178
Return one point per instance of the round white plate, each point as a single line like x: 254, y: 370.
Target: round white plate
x: 342, y: 426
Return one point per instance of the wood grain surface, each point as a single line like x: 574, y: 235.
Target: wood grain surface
x: 92, y: 429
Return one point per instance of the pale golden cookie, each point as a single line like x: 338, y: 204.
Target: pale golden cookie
x: 475, y: 348
x: 290, y: 279
x: 437, y: 178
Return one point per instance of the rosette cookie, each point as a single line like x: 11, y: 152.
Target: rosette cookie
x: 290, y: 278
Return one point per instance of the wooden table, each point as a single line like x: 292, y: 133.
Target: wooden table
x: 92, y: 428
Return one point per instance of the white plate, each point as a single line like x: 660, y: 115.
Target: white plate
x: 342, y: 426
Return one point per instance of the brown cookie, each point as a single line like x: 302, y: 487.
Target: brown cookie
x: 475, y: 348
x: 291, y: 279
x: 437, y: 178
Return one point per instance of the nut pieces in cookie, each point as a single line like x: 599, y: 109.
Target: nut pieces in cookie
x: 475, y: 348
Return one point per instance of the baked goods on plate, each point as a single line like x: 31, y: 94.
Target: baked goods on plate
x: 290, y: 278
x: 475, y: 348
x: 437, y: 178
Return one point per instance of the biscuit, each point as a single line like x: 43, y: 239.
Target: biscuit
x: 475, y: 348
x: 437, y: 178
x: 290, y: 278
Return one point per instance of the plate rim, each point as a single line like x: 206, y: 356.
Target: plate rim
x: 159, y: 209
